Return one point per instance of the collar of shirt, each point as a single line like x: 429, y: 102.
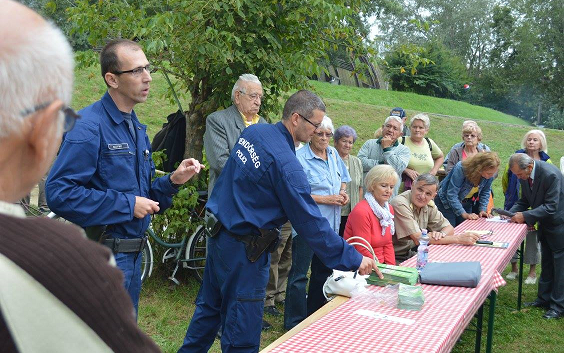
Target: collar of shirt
x: 287, y: 135
x: 254, y: 120
x: 11, y: 209
x: 309, y: 154
x: 532, y: 176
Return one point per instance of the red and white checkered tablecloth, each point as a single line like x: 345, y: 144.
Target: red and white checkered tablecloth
x: 371, y: 324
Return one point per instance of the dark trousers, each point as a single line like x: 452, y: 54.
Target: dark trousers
x: 232, y: 296
x: 295, y: 306
x: 130, y: 264
x: 551, y: 281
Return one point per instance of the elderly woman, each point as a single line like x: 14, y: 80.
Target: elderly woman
x: 473, y: 175
x: 344, y: 138
x: 471, y: 144
x: 327, y: 176
x: 373, y: 217
x: 534, y: 145
x: 426, y: 156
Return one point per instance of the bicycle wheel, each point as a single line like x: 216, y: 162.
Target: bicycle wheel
x: 146, y: 261
x: 196, y: 252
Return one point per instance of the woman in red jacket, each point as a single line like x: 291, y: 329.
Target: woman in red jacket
x: 373, y: 217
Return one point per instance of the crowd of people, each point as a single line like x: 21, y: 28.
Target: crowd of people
x: 283, y: 199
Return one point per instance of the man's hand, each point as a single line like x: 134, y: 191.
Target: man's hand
x: 367, y: 265
x: 470, y: 216
x: 186, y: 170
x: 386, y: 142
x: 467, y: 238
x: 437, y: 235
x: 485, y: 214
x: 144, y: 206
x: 518, y: 218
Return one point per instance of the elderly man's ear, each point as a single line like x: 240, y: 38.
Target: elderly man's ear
x: 44, y: 131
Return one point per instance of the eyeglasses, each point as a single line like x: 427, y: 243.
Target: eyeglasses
x: 253, y: 96
x: 309, y: 121
x: 70, y: 115
x: 321, y: 134
x: 137, y: 71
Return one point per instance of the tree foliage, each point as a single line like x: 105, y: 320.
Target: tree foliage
x: 206, y: 44
x: 442, y: 73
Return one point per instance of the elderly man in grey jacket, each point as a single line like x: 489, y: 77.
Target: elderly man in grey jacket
x: 224, y: 127
x: 386, y: 149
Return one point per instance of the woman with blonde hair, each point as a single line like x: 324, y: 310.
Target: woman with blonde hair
x: 535, y: 146
x: 373, y: 217
x: 473, y: 175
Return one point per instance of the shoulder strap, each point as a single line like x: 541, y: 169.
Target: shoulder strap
x: 429, y: 143
x: 37, y: 320
x: 403, y: 140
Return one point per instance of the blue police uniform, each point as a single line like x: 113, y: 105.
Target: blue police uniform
x: 99, y: 171
x: 261, y: 186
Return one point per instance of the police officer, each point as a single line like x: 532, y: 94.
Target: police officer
x: 261, y: 186
x: 102, y: 177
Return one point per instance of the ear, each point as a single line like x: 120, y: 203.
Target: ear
x: 44, y: 131
x: 294, y: 119
x: 111, y: 79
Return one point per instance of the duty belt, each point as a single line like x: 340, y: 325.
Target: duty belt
x: 125, y: 245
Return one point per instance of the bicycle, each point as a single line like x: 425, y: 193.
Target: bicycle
x: 191, y: 252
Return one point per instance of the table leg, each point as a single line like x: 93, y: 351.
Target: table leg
x: 520, y: 284
x: 479, y: 321
x: 489, y: 340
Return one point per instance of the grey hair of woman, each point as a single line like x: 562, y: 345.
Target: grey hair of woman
x: 521, y: 160
x: 427, y: 179
x: 345, y: 131
x: 327, y: 124
x: 542, y: 138
x: 421, y: 117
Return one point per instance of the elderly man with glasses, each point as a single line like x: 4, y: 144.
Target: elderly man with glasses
x: 224, y: 127
x: 386, y: 149
x: 59, y: 291
x: 102, y: 179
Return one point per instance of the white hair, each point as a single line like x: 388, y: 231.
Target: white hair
x: 396, y: 118
x: 38, y: 70
x: 327, y: 124
x: 422, y: 117
x: 243, y: 78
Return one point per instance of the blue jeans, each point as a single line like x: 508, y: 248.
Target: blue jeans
x: 130, y: 264
x: 448, y: 213
x: 295, y: 307
x: 232, y: 296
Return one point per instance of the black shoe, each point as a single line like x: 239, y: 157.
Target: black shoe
x: 271, y: 310
x: 537, y: 304
x: 265, y: 325
x: 553, y: 314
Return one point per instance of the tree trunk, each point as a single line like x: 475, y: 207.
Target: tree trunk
x: 539, y: 111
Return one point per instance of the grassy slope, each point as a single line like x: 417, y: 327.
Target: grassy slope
x: 165, y: 313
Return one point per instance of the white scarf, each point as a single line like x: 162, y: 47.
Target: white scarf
x: 383, y: 214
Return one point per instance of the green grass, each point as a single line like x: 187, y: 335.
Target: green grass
x: 165, y: 312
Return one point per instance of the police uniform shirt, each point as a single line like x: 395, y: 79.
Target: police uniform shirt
x: 263, y: 185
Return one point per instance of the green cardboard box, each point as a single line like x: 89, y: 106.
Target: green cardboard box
x: 394, y: 275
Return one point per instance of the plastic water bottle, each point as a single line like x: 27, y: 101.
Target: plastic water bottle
x: 422, y: 250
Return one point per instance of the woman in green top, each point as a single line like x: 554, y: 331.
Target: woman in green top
x: 426, y: 156
x: 344, y: 138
